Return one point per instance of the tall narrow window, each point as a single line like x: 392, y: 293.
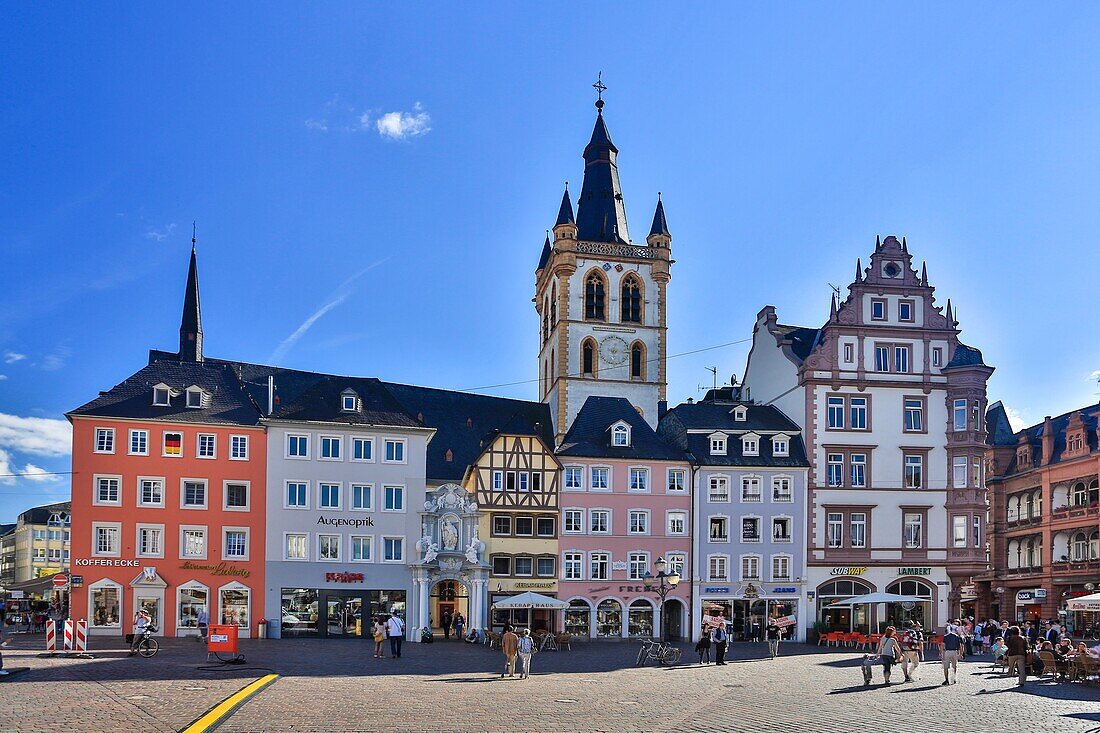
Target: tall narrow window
x: 836, y: 469
x: 594, y: 298
x: 959, y: 472
x: 631, y: 300
x: 882, y: 358
x: 857, y: 529
x: 958, y: 413
x: 858, y: 410
x: 914, y: 415
x: 913, y: 530
x: 914, y: 471
x: 588, y: 358
x: 835, y: 529
x: 858, y: 463
x: 553, y: 306
x: 836, y: 413
x: 637, y: 361
x: 901, y: 358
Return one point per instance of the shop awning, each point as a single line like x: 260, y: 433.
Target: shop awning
x: 1084, y: 603
x: 34, y: 586
x: 877, y: 598
x: 531, y: 600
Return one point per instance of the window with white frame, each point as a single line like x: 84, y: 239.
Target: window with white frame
x: 524, y: 481
x: 878, y: 309
x: 104, y: 440
x: 781, y: 445
x: 677, y: 480
x: 836, y: 412
x: 150, y: 541
x: 882, y: 358
x: 600, y: 566
x: 858, y: 469
x: 719, y: 489
x: 750, y: 567
x: 361, y: 497
x: 194, y: 398
x: 750, y: 529
x: 297, y: 446
x: 781, y: 489
x: 162, y: 396
x: 238, y: 447
x: 781, y: 529
x: 677, y: 523
x: 106, y: 538
x: 139, y: 442
x: 718, y: 568
x: 638, y: 565
x: 639, y: 479
x: 362, y: 449
x: 750, y: 445
x: 395, y: 451
x: 857, y: 530
x: 639, y: 521
x: 361, y: 548
x: 236, y: 495
x: 193, y: 494
x: 913, y: 530
x: 750, y: 489
x: 620, y: 436
x: 207, y: 446
x: 574, y: 478
x: 959, y: 531
x: 937, y: 357
x: 193, y: 542
x: 172, y: 445
x: 573, y: 521
x: 976, y: 529
x: 523, y: 566
x: 902, y: 358
x: 331, y: 447
x: 349, y: 402
x: 676, y: 563
x: 600, y: 478
x: 105, y: 604
x: 718, y: 445
x: 297, y: 546
x: 328, y: 496
x: 914, y: 471
x: 107, y: 490
x: 834, y: 529
x: 857, y: 411
x: 236, y: 544
x: 498, y: 480
x: 740, y: 413
x: 905, y: 311
x: 297, y: 495
x: 150, y: 492
x: 599, y: 521
x: 958, y: 472
x: 848, y: 354
x: 835, y: 469
x: 328, y: 547
x: 914, y: 415
x: 958, y: 415
x: 719, y: 529
x: 781, y: 567
x: 572, y: 564
x: 394, y: 499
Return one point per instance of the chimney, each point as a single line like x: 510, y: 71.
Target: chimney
x: 270, y: 393
x: 662, y: 408
x: 1048, y: 439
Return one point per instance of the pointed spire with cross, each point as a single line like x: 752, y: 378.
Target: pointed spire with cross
x: 600, y: 88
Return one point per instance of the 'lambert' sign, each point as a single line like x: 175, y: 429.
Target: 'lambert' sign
x: 914, y: 571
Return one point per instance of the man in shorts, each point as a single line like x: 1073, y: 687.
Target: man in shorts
x: 949, y: 652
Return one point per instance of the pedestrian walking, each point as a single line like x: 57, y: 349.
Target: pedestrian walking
x: 203, y: 622
x: 721, y: 639
x: 889, y: 651
x: 379, y: 634
x: 459, y: 624
x: 395, y: 630
x: 773, y: 632
x: 949, y: 653
x: 526, y: 649
x: 912, y: 642
x: 1016, y: 644
x: 445, y: 622
x: 509, y: 644
x: 702, y: 648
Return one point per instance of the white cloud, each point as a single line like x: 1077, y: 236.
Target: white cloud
x: 1095, y: 376
x: 32, y: 472
x: 159, y: 235
x: 1017, y: 419
x: 38, y: 436
x: 3, y: 377
x: 315, y: 124
x: 10, y: 357
x: 403, y: 125
x: 364, y: 120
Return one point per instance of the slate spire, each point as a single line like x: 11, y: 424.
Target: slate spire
x: 660, y: 226
x: 565, y: 211
x: 546, y: 249
x: 191, y: 323
x: 601, y: 212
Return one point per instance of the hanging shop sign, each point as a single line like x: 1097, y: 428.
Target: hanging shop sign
x: 848, y: 571
x: 343, y: 577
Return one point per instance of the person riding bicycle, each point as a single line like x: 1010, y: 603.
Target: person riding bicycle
x: 141, y: 622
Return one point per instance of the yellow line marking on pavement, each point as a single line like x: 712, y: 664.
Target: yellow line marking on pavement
x: 217, y: 714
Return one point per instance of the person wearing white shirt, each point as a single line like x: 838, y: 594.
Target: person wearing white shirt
x: 395, y: 629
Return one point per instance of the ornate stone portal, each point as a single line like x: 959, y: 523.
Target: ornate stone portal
x: 448, y: 549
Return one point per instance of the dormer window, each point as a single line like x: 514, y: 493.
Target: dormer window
x: 194, y: 398
x: 750, y: 445
x: 162, y: 396
x: 781, y: 446
x: 349, y: 401
x: 620, y: 436
x: 718, y: 444
x: 1023, y: 457
x: 740, y: 413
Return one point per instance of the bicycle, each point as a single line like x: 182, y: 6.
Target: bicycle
x: 660, y: 651
x: 148, y: 646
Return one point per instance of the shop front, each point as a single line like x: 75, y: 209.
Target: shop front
x: 336, y: 614
x: 928, y: 585
x: 1080, y: 611
x: 536, y: 619
x: 747, y: 609
x: 1029, y: 604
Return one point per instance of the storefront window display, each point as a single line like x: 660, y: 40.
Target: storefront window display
x: 899, y: 614
x: 299, y: 612
x: 786, y: 609
x: 641, y: 618
x: 191, y: 600
x: 105, y: 606
x: 577, y: 618
x: 855, y: 618
x: 234, y: 606
x: 609, y: 619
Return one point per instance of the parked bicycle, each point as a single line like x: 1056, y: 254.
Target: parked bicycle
x: 660, y: 651
x: 148, y: 646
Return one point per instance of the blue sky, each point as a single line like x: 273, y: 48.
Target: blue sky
x: 429, y: 143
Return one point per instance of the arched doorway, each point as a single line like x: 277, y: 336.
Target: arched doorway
x: 449, y: 598
x: 844, y: 618
x: 920, y: 611
x: 672, y: 619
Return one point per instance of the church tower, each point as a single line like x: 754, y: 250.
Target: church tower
x: 601, y: 297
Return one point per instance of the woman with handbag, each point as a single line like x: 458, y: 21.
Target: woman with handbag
x: 889, y: 651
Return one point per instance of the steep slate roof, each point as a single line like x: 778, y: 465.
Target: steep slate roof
x: 225, y: 400
x: 565, y: 211
x: 191, y: 322
x: 965, y: 356
x: 802, y: 339
x: 6, y: 529
x: 1035, y: 433
x: 323, y: 402
x: 41, y: 514
x: 601, y: 213
x: 464, y: 422
x: 590, y: 434
x: 998, y: 429
x: 545, y: 256
x: 764, y: 420
x: 660, y: 226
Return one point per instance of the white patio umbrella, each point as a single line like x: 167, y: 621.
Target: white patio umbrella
x: 531, y: 600
x: 876, y: 598
x: 1084, y: 603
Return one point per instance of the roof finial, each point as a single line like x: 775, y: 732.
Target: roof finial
x: 194, y: 232
x: 859, y: 270
x: 878, y: 242
x: 600, y: 88
x: 924, y: 273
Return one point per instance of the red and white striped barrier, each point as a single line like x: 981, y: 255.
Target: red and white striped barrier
x: 51, y: 636
x: 68, y: 634
x: 81, y: 637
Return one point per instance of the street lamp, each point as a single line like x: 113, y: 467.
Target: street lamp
x: 662, y: 584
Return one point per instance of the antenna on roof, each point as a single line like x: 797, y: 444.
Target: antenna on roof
x: 836, y: 290
x: 714, y: 374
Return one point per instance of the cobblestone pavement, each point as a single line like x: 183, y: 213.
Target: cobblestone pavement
x: 337, y: 686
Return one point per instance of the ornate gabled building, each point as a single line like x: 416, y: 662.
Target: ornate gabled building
x: 891, y: 404
x: 601, y: 297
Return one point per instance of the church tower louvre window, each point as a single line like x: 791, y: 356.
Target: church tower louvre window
x: 601, y: 296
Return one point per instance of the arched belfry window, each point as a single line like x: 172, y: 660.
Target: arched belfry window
x: 553, y: 305
x: 589, y: 354
x: 631, y: 300
x: 594, y: 298
x: 637, y: 361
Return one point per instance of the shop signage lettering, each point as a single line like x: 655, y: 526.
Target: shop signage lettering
x: 1025, y: 595
x: 345, y: 522
x: 343, y: 577
x: 529, y: 585
x: 76, y: 580
x: 848, y: 571
x: 619, y: 565
x: 784, y: 589
x: 111, y: 563
x: 717, y: 590
x: 221, y: 568
x: 785, y: 621
x: 914, y: 571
